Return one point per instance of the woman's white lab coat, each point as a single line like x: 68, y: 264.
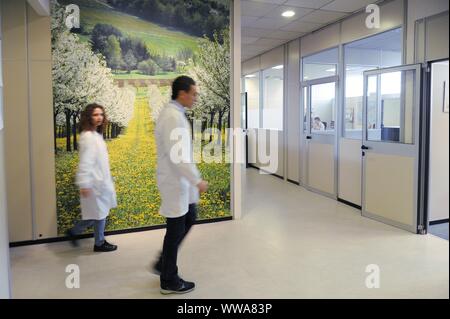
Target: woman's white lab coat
x: 94, y: 173
x: 177, y: 181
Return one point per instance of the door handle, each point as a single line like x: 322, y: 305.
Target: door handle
x: 365, y: 147
x: 309, y: 137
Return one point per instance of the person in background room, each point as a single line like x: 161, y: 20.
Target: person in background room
x: 318, y: 125
x: 97, y: 192
x: 179, y: 183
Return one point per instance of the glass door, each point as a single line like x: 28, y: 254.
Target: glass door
x: 321, y: 135
x: 390, y: 147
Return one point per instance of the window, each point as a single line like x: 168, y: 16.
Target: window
x: 320, y: 65
x: 390, y: 107
x: 379, y: 51
x: 273, y: 98
x: 251, y: 87
x: 323, y: 108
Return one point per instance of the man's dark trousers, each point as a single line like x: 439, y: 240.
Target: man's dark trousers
x: 177, y: 229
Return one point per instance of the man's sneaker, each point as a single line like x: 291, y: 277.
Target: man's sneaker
x: 182, y: 288
x: 106, y: 247
x: 72, y: 238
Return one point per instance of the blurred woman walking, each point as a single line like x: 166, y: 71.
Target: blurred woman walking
x: 97, y: 192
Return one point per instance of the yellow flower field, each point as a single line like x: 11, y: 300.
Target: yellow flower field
x: 133, y: 165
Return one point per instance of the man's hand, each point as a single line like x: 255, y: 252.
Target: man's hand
x: 202, y: 186
x: 85, y: 192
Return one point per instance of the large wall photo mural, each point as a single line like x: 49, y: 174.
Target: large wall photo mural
x: 124, y: 55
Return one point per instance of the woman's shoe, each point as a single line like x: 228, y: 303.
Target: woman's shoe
x: 72, y: 238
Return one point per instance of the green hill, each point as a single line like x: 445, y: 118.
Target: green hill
x: 159, y: 39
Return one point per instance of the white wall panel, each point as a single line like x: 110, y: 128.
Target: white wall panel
x: 391, y: 16
x: 251, y: 66
x: 419, y: 9
x: 436, y: 45
x: 272, y: 58
x: 321, y: 40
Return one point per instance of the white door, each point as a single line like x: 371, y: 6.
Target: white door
x: 391, y: 145
x: 320, y: 137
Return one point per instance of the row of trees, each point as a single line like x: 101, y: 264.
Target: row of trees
x: 81, y: 77
x: 197, y: 17
x: 212, y: 72
x: 123, y: 52
x: 157, y: 99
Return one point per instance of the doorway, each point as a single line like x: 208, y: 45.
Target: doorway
x: 437, y: 204
x: 320, y: 98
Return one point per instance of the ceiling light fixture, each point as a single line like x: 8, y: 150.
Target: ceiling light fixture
x: 278, y: 67
x: 288, y: 14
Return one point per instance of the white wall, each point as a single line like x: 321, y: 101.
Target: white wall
x: 418, y: 9
x: 438, y: 208
x: 4, y: 240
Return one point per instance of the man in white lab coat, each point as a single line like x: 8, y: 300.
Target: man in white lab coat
x: 179, y: 181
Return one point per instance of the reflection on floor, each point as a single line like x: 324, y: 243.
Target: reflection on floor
x: 290, y: 243
x: 440, y: 230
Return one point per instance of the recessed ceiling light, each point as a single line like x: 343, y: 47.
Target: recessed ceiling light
x: 250, y: 76
x: 288, y: 14
x: 278, y: 67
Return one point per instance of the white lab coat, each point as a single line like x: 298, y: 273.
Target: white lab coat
x: 94, y: 173
x: 177, y: 181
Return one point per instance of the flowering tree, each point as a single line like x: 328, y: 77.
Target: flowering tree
x: 81, y: 77
x: 156, y: 100
x: 212, y: 72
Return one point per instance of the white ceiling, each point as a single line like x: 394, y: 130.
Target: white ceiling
x: 263, y: 27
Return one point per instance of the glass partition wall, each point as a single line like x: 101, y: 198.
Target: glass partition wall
x: 379, y: 51
x: 272, y: 108
x: 264, y: 91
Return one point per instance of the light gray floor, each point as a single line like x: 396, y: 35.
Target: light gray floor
x: 290, y: 243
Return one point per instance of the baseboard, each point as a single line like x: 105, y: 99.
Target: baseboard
x: 110, y: 233
x: 349, y: 203
x: 268, y: 173
x: 437, y: 222
x: 293, y: 182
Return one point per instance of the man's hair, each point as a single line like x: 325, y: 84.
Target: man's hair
x: 181, y: 83
x: 317, y: 118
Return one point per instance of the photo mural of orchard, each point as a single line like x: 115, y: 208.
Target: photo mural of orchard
x: 124, y: 56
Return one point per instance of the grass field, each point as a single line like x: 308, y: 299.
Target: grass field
x: 136, y: 75
x: 133, y: 165
x: 159, y: 39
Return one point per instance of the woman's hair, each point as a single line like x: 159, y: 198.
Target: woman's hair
x: 86, y: 118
